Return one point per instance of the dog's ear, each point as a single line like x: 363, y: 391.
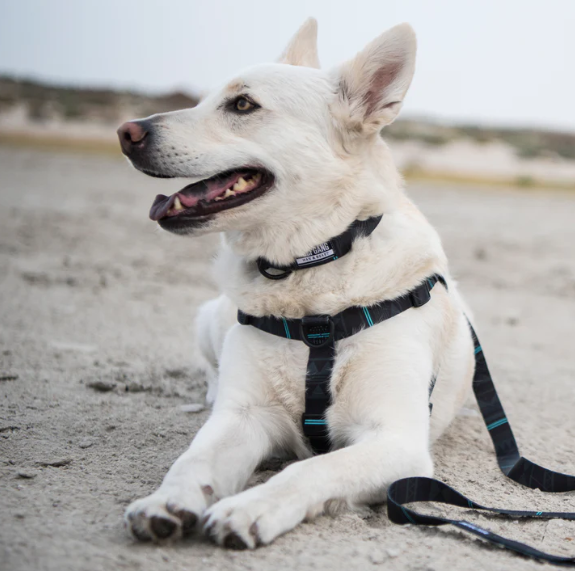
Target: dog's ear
x: 302, y: 49
x: 373, y: 84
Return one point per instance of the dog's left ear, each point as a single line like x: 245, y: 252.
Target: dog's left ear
x: 302, y: 49
x: 373, y: 84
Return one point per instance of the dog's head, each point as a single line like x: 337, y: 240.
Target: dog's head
x: 280, y: 143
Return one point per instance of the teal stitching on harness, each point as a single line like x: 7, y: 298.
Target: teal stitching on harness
x: 477, y: 349
x: 368, y: 316
x: 324, y: 335
x: 313, y: 421
x: 496, y: 424
x: 539, y: 513
x: 286, y: 328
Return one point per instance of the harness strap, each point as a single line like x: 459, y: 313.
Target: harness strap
x: 319, y: 333
x: 512, y: 464
x: 346, y: 323
x: 321, y: 254
x: 317, y: 393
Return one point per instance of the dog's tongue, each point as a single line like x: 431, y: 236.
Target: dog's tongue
x: 161, y: 206
x: 190, y: 196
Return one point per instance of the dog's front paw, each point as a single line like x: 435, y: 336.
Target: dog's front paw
x: 166, y: 514
x: 254, y: 517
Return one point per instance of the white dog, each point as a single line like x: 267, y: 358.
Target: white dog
x: 282, y: 158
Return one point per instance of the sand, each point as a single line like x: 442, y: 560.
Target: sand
x: 96, y: 363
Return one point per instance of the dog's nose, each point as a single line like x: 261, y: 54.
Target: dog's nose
x: 133, y: 135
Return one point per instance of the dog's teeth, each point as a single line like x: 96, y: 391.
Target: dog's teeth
x: 229, y: 192
x: 256, y: 178
x: 240, y: 185
x: 219, y: 198
x: 177, y: 204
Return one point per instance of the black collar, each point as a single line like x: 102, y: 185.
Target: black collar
x: 324, y: 253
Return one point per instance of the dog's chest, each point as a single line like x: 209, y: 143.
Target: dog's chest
x: 285, y: 363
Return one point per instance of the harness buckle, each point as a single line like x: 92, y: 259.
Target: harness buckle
x: 317, y: 330
x: 420, y: 295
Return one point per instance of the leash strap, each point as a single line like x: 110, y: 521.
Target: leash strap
x: 319, y: 333
x: 512, y: 464
x: 428, y: 490
x: 321, y: 254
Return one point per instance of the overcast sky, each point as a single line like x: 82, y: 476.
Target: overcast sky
x: 489, y: 61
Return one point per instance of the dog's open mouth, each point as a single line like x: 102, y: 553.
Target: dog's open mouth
x: 221, y: 192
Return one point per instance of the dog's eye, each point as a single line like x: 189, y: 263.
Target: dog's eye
x: 243, y: 105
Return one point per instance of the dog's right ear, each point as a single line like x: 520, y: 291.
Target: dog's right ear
x: 372, y: 86
x: 302, y: 49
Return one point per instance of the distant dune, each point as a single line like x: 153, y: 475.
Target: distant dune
x: 39, y: 114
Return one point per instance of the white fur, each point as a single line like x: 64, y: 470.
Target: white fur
x: 318, y: 132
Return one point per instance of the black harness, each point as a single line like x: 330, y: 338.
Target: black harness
x: 321, y: 332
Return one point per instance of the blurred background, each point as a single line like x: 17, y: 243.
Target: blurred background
x: 100, y: 389
x: 492, y: 96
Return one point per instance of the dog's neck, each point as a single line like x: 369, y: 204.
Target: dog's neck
x: 362, y: 189
x: 401, y: 252
x: 280, y: 244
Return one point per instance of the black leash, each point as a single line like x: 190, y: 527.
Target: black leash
x: 512, y: 464
x: 321, y: 254
x: 320, y: 332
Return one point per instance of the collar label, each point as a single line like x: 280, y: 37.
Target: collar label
x: 321, y: 252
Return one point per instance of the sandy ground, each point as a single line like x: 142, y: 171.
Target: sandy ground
x: 93, y: 297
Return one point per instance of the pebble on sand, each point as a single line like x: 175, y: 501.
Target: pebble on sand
x: 55, y: 463
x: 193, y: 407
x: 101, y: 386
x: 27, y: 474
x: 86, y: 443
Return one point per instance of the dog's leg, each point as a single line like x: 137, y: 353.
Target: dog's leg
x: 244, y: 428
x: 357, y: 474
x: 214, y: 319
x: 381, y: 411
x: 218, y: 463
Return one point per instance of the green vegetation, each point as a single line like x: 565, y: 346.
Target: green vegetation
x: 528, y: 143
x: 74, y: 103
